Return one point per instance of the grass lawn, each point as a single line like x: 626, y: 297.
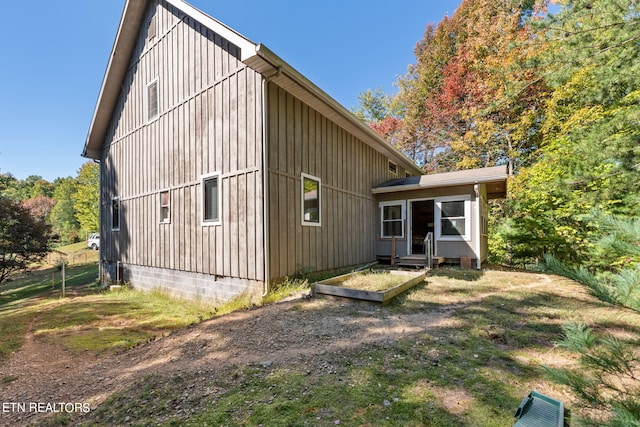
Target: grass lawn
x: 89, y: 318
x: 471, y: 370
x: 375, y: 281
x: 471, y: 367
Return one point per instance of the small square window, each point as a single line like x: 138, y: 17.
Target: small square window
x: 310, y: 200
x: 152, y: 100
x: 165, y: 211
x: 115, y: 214
x: 393, y: 168
x: 211, y: 199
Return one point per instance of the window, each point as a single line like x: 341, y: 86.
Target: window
x: 393, y: 216
x: 453, y: 222
x: 152, y: 100
x: 211, y: 199
x: 115, y: 214
x: 393, y: 168
x: 165, y: 207
x: 152, y: 30
x: 310, y: 200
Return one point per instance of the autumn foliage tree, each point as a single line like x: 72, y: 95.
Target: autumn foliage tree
x: 24, y: 239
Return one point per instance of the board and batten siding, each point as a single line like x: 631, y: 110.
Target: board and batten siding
x: 210, y: 120
x: 301, y: 140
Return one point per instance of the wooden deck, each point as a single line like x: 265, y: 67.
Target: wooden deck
x: 413, y: 261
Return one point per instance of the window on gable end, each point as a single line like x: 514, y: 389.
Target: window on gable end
x: 152, y: 30
x: 152, y: 100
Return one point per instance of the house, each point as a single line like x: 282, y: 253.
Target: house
x: 222, y: 168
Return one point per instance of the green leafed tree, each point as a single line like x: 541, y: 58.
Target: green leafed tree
x: 24, y: 239
x: 63, y: 215
x: 86, y: 199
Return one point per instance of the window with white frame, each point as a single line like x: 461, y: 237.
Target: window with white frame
x: 115, y: 214
x: 393, y: 215
x: 152, y: 100
x: 393, y: 168
x: 165, y: 207
x: 453, y: 220
x: 311, y: 200
x: 211, y: 204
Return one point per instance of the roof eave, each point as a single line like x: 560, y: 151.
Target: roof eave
x: 114, y: 75
x: 274, y: 68
x: 441, y: 184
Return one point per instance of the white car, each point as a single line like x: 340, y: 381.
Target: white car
x: 93, y: 241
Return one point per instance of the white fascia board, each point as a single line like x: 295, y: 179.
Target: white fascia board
x: 437, y: 184
x: 247, y: 47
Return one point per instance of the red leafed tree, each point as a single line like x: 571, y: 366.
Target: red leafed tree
x: 470, y: 101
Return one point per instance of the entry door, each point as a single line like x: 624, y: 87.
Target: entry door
x: 421, y: 224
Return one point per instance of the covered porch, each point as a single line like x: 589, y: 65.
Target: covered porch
x: 450, y: 208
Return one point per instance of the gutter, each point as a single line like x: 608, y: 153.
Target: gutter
x: 296, y: 77
x: 438, y: 184
x: 265, y: 189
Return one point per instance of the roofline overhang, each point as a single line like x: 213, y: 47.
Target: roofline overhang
x: 256, y: 56
x: 457, y: 181
x: 280, y: 70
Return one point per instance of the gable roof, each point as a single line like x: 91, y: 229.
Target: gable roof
x: 256, y: 56
x: 495, y: 177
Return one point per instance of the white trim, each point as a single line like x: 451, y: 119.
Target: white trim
x: 247, y: 47
x: 403, y: 217
x: 204, y: 222
x: 318, y: 223
x: 410, y: 223
x: 116, y: 199
x: 160, y: 206
x: 395, y: 166
x: 466, y: 198
x: 477, y: 234
x: 148, y: 118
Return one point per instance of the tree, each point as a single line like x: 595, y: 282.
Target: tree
x: 470, y: 101
x: 590, y: 148
x: 24, y: 239
x: 606, y: 381
x: 63, y: 215
x: 86, y: 199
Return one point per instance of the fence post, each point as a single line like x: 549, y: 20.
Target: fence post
x: 63, y: 279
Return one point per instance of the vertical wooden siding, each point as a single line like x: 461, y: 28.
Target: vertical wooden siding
x: 210, y: 120
x: 301, y: 140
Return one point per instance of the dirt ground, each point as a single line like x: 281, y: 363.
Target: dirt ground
x: 301, y: 330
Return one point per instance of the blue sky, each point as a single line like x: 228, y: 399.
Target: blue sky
x: 54, y: 55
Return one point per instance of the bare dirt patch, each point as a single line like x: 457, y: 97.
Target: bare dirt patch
x: 297, y: 332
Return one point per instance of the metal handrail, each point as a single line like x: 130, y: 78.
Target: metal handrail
x: 428, y: 249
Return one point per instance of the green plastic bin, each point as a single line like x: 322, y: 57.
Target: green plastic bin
x: 538, y: 410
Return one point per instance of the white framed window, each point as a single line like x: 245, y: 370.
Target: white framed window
x: 453, y: 218
x: 152, y: 101
x: 115, y: 214
x: 311, y: 197
x: 393, y: 216
x: 393, y: 168
x: 211, y: 200
x: 165, y: 207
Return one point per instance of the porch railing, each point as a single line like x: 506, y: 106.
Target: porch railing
x: 428, y: 249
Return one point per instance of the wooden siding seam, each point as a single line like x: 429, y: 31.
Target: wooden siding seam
x: 326, y: 186
x: 176, y: 106
x: 232, y: 174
